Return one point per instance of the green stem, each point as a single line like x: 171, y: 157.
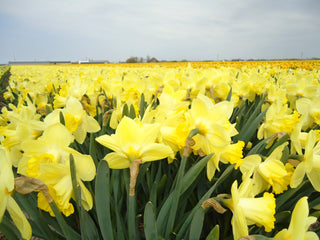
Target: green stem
x: 132, y: 217
x: 178, y: 187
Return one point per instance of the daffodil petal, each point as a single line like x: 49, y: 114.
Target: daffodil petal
x: 85, y: 168
x: 128, y: 131
x: 117, y: 160
x: 109, y: 142
x: 19, y: 218
x: 86, y: 198
x: 3, y: 201
x: 314, y: 177
x: 151, y: 131
x: 92, y: 125
x: 156, y: 151
x: 80, y: 134
x: 57, y: 134
x: 298, y: 175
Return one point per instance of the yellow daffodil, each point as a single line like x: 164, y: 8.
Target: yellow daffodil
x: 268, y: 173
x: 24, y: 125
x: 274, y: 172
x: 248, y: 210
x: 77, y: 121
x: 299, y: 225
x: 215, y: 130
x: 310, y: 164
x: 6, y: 200
x: 279, y: 118
x: 133, y: 141
x: 48, y: 159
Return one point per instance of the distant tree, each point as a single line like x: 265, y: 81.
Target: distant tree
x: 132, y: 60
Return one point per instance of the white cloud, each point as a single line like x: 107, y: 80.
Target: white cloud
x: 170, y: 29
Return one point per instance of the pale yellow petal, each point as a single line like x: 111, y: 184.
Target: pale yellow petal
x: 199, y: 108
x: 52, y: 118
x: 314, y: 177
x: 109, y: 142
x: 117, y: 160
x: 86, y: 170
x: 156, y: 151
x: 298, y: 175
x: 51, y: 173
x: 219, y: 137
x: 6, y: 173
x: 86, y: 198
x: 249, y: 163
x: 239, y: 224
x: 92, y: 125
x: 128, y: 131
x: 57, y: 134
x: 3, y: 201
x: 225, y: 108
x: 150, y: 132
x: 80, y: 134
x: 311, y: 236
x: 19, y: 218
x: 211, y: 169
x: 298, y: 218
x: 74, y: 106
x: 277, y: 153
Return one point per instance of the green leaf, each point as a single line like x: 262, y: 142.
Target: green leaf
x: 68, y: 232
x: 175, y: 197
x: 29, y: 205
x: 142, y: 106
x: 125, y: 110
x: 207, y: 195
x: 214, y: 233
x: 196, y: 224
x: 194, y: 172
x: 93, y: 149
x: 251, y: 127
x: 260, y: 237
x: 229, y: 95
x: 74, y: 181
x: 8, y: 229
x: 259, y: 147
x: 132, y: 113
x: 278, y: 143
x: 88, y: 228
x: 150, y: 227
x: 292, y: 195
x: 102, y: 200
x: 62, y: 121
x: 163, y: 215
x: 283, y: 217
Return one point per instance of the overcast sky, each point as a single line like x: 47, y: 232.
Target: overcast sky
x: 195, y: 30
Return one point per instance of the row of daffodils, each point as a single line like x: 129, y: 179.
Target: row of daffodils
x: 109, y: 152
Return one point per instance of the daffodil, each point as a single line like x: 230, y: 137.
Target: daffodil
x: 268, y: 173
x: 274, y: 172
x: 24, y: 125
x: 310, y: 164
x: 248, y: 210
x: 215, y: 130
x: 133, y: 141
x: 77, y: 121
x: 300, y: 223
x: 279, y: 118
x: 6, y: 200
x: 48, y: 159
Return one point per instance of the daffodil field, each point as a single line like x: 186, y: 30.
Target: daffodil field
x: 160, y: 151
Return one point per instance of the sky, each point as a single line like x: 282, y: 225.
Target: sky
x: 193, y: 30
